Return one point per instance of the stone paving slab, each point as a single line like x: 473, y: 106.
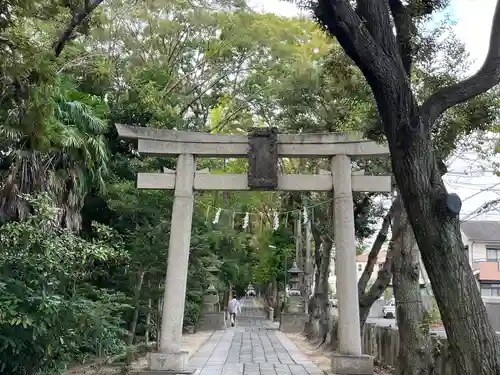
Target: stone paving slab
x: 253, y: 347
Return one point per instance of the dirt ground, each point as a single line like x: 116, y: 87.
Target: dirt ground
x: 191, y: 342
x: 320, y: 357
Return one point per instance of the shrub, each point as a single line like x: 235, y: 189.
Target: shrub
x: 46, y: 320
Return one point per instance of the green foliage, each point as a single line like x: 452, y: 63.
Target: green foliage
x: 217, y: 67
x: 46, y: 321
x: 277, y: 252
x: 192, y: 310
x: 65, y: 157
x: 431, y: 316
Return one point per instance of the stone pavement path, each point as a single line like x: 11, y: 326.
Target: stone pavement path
x: 252, y: 347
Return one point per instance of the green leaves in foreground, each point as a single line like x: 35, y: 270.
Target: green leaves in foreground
x: 46, y: 320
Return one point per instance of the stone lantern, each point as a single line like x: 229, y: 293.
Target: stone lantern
x: 211, y: 289
x: 211, y: 300
x: 214, y: 279
x: 213, y: 271
x: 293, y: 319
x: 294, y: 282
x: 211, y: 316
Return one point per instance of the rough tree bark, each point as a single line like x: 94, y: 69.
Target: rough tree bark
x: 318, y: 307
x: 275, y: 300
x: 368, y: 297
x: 322, y: 296
x: 375, y: 250
x: 378, y: 288
x: 137, y: 307
x: 268, y: 296
x: 309, y: 260
x: 299, y: 252
x: 148, y: 321
x: 78, y: 19
x: 366, y: 36
x: 159, y: 312
x: 272, y: 299
x: 415, y: 347
x: 314, y: 302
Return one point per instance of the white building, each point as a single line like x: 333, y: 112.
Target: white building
x: 361, y: 261
x: 482, y: 244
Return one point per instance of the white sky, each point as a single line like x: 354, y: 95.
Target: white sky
x: 473, y: 22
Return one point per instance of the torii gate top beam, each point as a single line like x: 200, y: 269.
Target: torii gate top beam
x: 164, y: 142
x: 262, y: 147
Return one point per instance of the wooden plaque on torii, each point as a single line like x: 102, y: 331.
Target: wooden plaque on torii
x: 263, y: 159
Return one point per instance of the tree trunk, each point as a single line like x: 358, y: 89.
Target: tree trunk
x: 319, y: 298
x: 317, y: 257
x: 299, y: 252
x: 415, y: 347
x: 473, y: 343
x: 309, y: 264
x: 276, y: 299
x: 375, y: 250
x: 366, y: 36
x: 268, y: 295
x: 159, y: 312
x: 332, y: 338
x: 384, y: 276
x: 136, y: 302
x: 378, y: 288
x: 323, y: 290
x: 148, y: 322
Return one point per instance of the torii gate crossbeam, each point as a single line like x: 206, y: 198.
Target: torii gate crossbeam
x: 262, y: 147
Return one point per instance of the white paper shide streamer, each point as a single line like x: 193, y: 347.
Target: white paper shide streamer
x: 305, y: 216
x: 217, y: 215
x: 276, y: 221
x: 245, y: 221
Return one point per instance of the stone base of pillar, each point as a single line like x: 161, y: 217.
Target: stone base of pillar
x: 168, y: 363
x: 270, y: 313
x: 293, y: 322
x: 345, y: 364
x: 212, y: 321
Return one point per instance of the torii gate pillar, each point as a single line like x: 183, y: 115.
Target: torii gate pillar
x: 171, y: 356
x: 262, y: 147
x: 349, y: 359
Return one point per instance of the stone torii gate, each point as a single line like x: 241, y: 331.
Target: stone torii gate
x: 262, y: 147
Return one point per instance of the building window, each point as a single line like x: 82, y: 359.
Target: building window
x: 493, y: 253
x: 490, y: 290
x: 360, y: 267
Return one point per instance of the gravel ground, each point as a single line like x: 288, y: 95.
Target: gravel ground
x: 191, y: 342
x: 320, y: 357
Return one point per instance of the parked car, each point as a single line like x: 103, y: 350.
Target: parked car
x: 334, y: 302
x: 389, y: 310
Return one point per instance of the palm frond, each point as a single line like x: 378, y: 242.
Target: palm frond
x: 78, y: 113
x: 67, y: 155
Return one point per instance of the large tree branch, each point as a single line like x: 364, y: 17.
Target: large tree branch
x: 78, y: 18
x: 340, y: 19
x: 377, y: 245
x: 404, y: 24
x: 384, y: 276
x: 486, y: 77
x: 378, y: 288
x: 376, y: 17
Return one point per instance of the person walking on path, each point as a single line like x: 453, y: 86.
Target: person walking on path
x: 234, y: 309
